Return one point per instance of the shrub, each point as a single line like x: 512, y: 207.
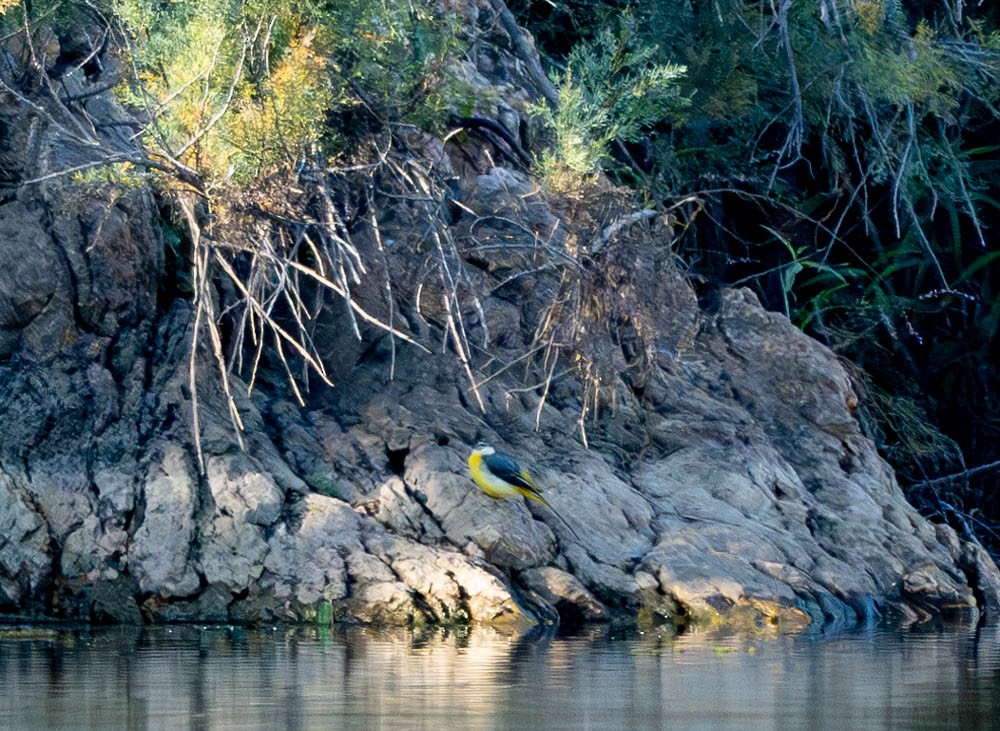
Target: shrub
x: 610, y: 92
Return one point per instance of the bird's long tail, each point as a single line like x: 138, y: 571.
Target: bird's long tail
x: 562, y: 520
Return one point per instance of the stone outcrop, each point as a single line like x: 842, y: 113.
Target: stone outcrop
x: 729, y: 478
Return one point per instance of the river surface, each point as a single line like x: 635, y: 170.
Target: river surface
x: 217, y: 677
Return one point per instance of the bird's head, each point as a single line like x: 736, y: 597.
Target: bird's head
x: 484, y: 449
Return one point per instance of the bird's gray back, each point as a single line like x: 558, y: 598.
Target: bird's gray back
x: 502, y: 465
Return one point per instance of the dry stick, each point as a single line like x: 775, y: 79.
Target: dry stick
x: 925, y: 242
x: 176, y: 168
x: 220, y: 359
x: 289, y: 288
x: 153, y: 127
x: 95, y: 46
x: 455, y: 321
x: 594, y: 389
x: 337, y: 231
x: 548, y: 382
x: 482, y: 319
x: 90, y: 135
x: 490, y: 130
x: 966, y: 198
x: 257, y: 327
x: 87, y: 140
x: 37, y: 20
x: 551, y: 358
x: 321, y: 263
x: 532, y: 388
x: 288, y: 370
x: 901, y: 170
x: 204, y: 307
x: 617, y: 226
x: 416, y: 180
x: 355, y: 306
x: 550, y: 315
x: 345, y: 288
x: 833, y: 231
x: 551, y: 250
x: 204, y: 310
x: 510, y: 365
x: 296, y: 307
x: 97, y: 236
x: 453, y: 295
x: 259, y: 343
x: 460, y: 349
x: 339, y: 288
x: 239, y: 331
x: 386, y: 281
x: 577, y: 319
x: 192, y: 359
x: 315, y: 252
x: 519, y: 275
x: 198, y: 77
x: 271, y: 322
x: 794, y: 138
x: 418, y: 298
x: 335, y: 246
x: 456, y: 324
x: 549, y: 346
x: 110, y: 160
x: 264, y: 313
x: 266, y: 45
x: 963, y: 475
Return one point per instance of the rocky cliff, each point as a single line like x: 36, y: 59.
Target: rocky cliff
x: 724, y: 475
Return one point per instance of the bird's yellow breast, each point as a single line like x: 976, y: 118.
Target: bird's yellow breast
x: 490, y: 483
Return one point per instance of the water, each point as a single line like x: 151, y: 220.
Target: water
x: 482, y: 678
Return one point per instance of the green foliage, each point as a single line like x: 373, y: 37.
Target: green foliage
x: 914, y: 70
x: 324, y: 613
x: 397, y: 51
x: 110, y: 176
x: 610, y: 91
x: 240, y: 90
x: 187, y: 62
x: 803, y: 273
x: 270, y: 130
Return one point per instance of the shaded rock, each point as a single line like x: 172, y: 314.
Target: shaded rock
x: 159, y: 555
x: 36, y: 310
x: 231, y: 553
x: 565, y: 592
x: 335, y: 555
x: 25, y: 552
x: 213, y: 604
x: 983, y: 576
x: 306, y: 563
x: 113, y: 603
x: 91, y: 548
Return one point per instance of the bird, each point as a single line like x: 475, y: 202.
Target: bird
x: 501, y: 477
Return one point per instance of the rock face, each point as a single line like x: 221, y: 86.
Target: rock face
x: 728, y: 477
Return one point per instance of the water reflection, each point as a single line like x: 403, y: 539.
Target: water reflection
x: 484, y: 678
